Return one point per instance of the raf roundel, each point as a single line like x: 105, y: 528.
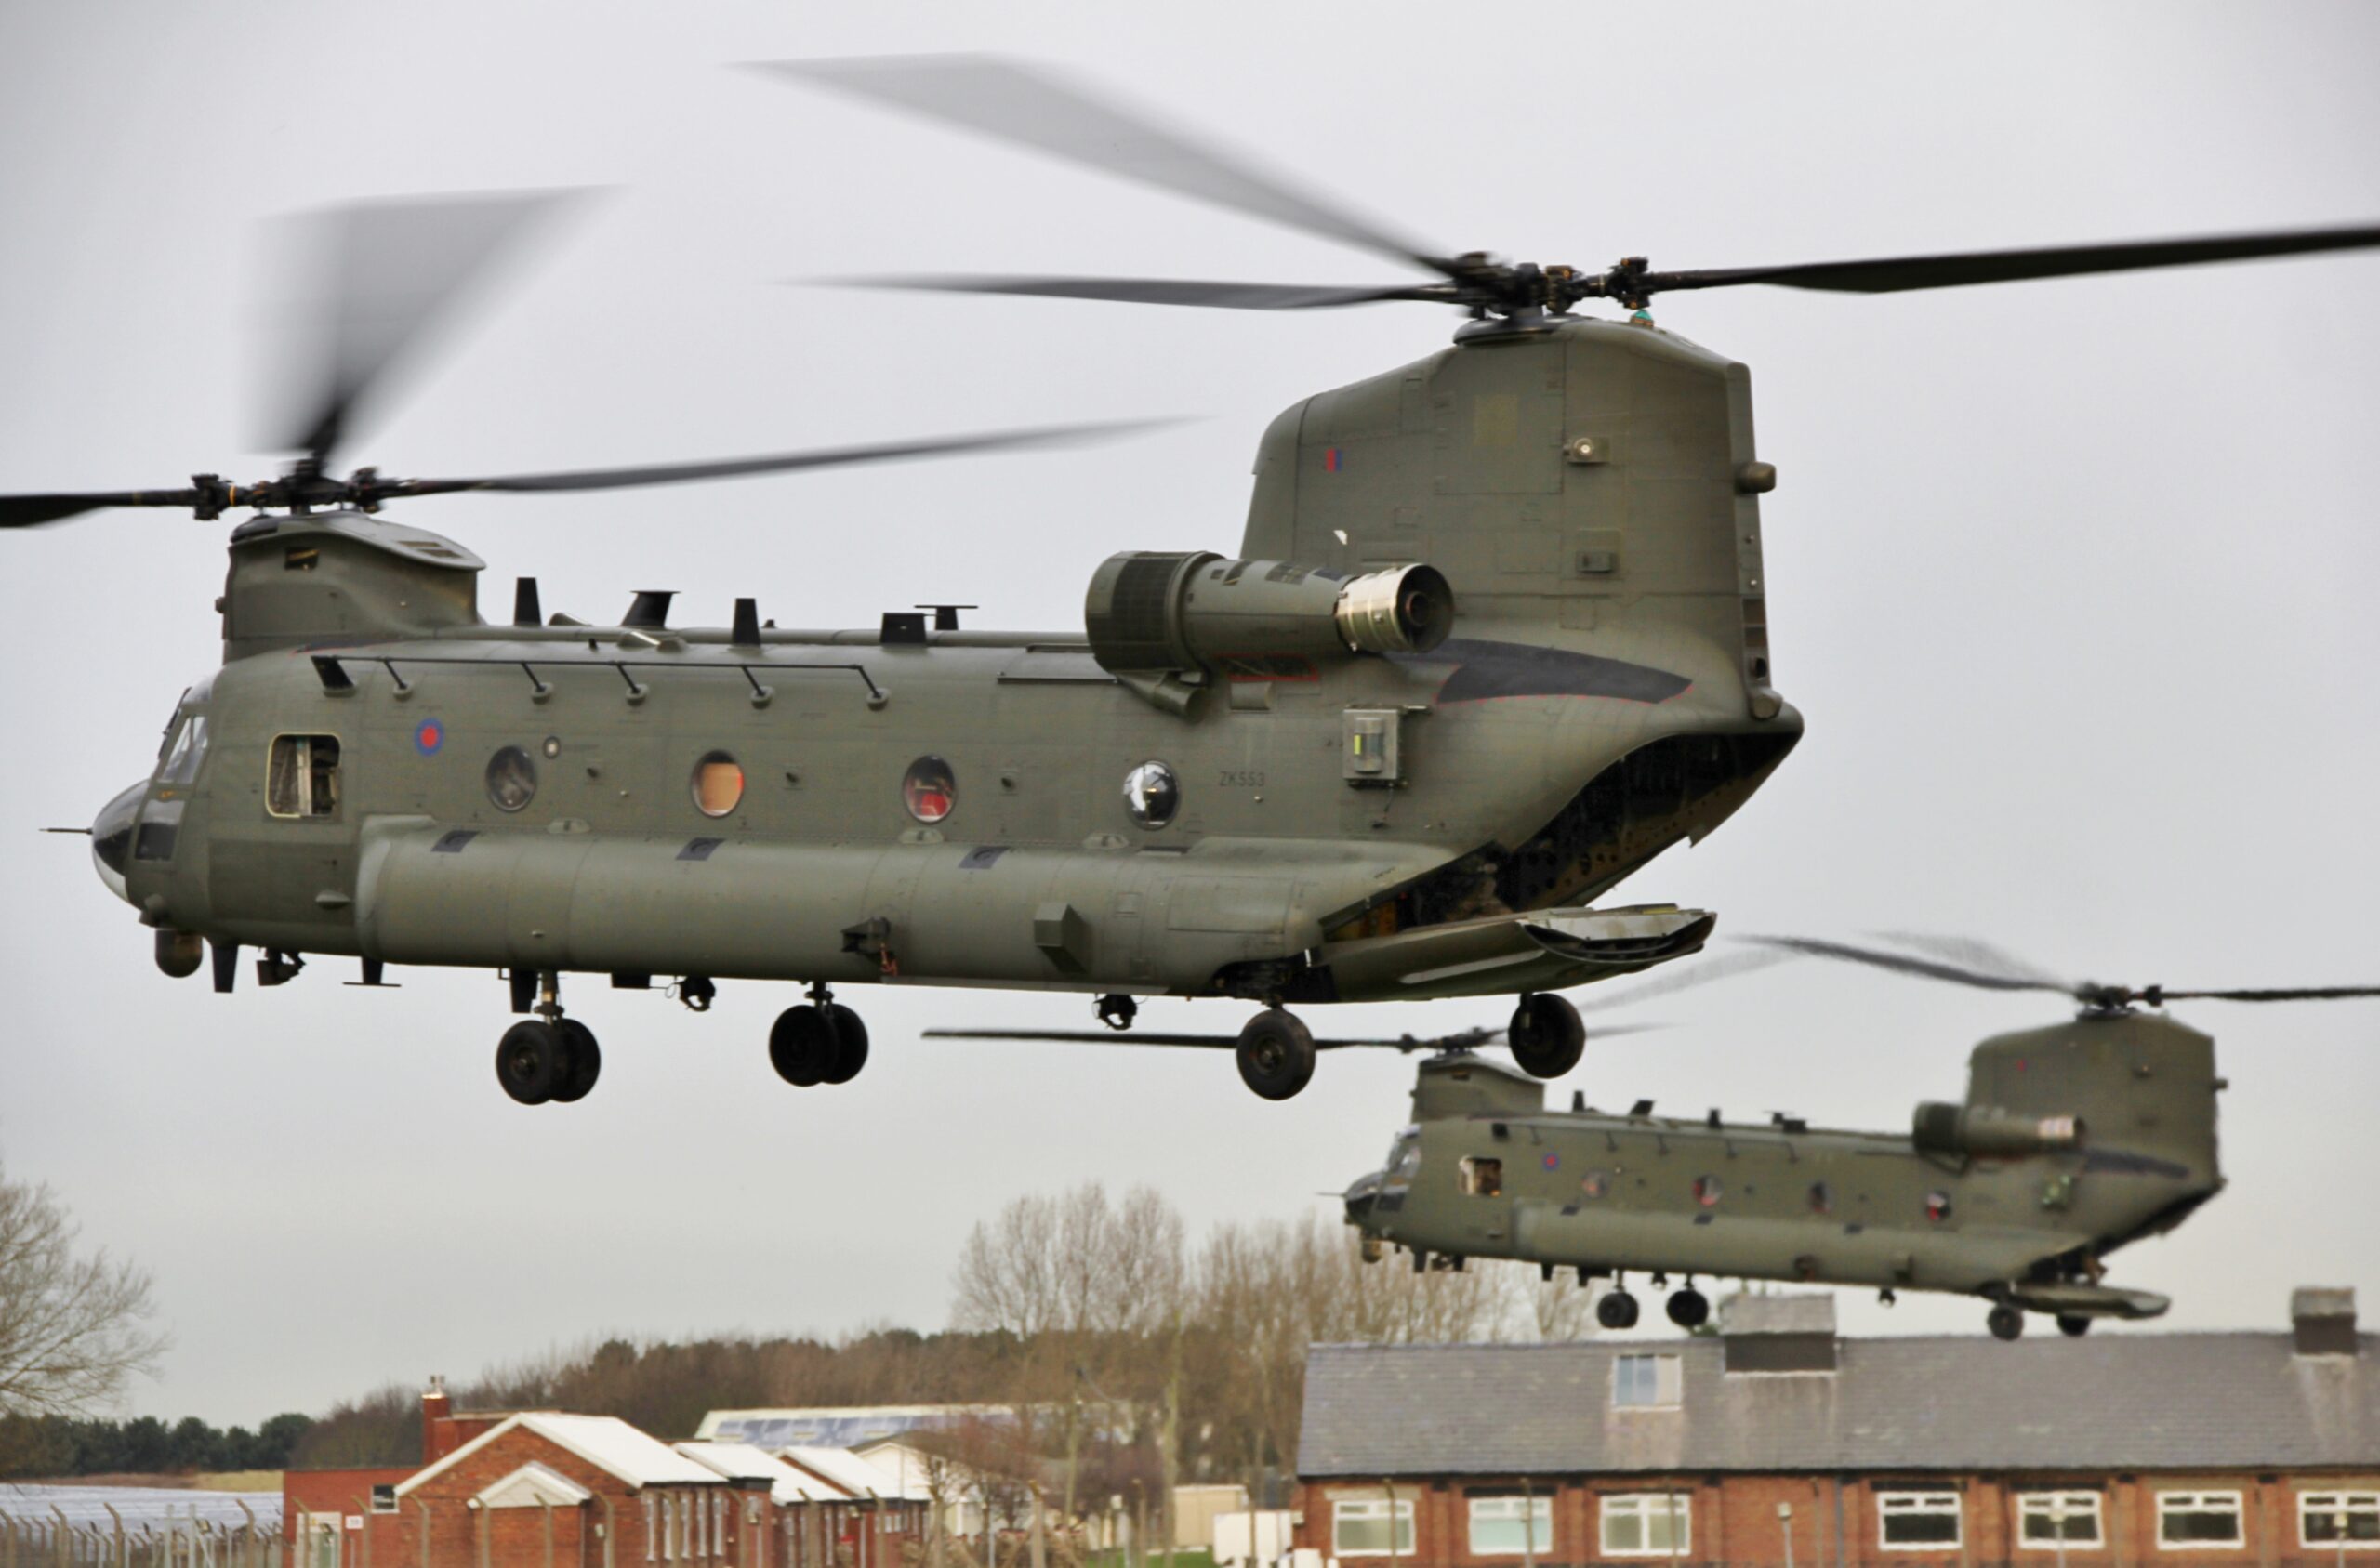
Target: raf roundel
x: 428, y: 736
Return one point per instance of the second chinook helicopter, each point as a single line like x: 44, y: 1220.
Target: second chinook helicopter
x: 2072, y: 1141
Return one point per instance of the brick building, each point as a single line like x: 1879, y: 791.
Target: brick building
x: 1776, y: 1442
x: 545, y: 1489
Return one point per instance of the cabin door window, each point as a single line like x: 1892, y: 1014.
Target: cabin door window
x: 301, y: 779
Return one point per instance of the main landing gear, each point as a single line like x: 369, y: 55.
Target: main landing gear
x: 1616, y: 1309
x: 1275, y: 1054
x: 548, y: 1057
x: 819, y: 1042
x: 2005, y: 1321
x: 1546, y: 1035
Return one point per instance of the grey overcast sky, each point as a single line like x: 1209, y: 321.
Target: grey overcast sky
x: 2074, y: 581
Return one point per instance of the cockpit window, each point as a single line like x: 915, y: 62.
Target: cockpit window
x: 184, y: 751
x: 302, y: 780
x: 1405, y: 1158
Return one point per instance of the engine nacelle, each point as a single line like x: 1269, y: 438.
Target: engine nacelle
x: 1980, y: 1130
x: 1159, y: 611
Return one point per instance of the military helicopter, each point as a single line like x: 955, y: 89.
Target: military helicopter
x: 2073, y: 1141
x: 1495, y: 635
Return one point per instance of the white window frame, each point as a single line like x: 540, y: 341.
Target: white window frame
x: 2172, y: 1503
x: 1669, y: 1507
x: 1398, y: 1513
x: 2311, y: 1505
x: 1908, y: 1504
x: 2041, y: 1505
x: 652, y: 1534
x: 1668, y: 1381
x: 1534, y: 1513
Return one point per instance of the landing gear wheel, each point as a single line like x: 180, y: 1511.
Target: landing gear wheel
x: 584, y: 1059
x: 2005, y: 1321
x: 1546, y: 1037
x: 801, y: 1046
x: 1616, y: 1310
x: 1275, y: 1054
x: 531, y: 1060
x: 1689, y: 1308
x: 851, y: 1043
x: 2073, y: 1324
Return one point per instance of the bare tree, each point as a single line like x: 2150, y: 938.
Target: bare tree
x: 72, y: 1330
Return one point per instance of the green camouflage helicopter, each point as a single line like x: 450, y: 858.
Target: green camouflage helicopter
x: 2073, y: 1141
x: 1495, y: 636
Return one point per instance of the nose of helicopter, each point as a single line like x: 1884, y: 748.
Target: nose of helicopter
x: 1361, y: 1198
x: 111, y: 839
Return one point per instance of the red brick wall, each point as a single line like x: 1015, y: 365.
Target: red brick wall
x: 1734, y: 1520
x: 344, y: 1492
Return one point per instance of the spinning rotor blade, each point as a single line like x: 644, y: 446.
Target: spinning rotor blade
x: 1151, y: 291
x: 32, y: 511
x: 385, y: 273
x: 1462, y: 1040
x: 1957, y: 270
x: 2308, y: 994
x: 1033, y: 107
x: 1902, y: 963
x: 822, y: 457
x: 1721, y: 966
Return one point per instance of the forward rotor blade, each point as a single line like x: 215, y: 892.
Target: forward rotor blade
x: 2302, y: 994
x: 32, y: 511
x: 1152, y: 291
x: 1896, y: 275
x: 823, y: 457
x: 1032, y: 107
x: 1932, y: 969
x: 387, y: 273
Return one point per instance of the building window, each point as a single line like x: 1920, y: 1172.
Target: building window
x: 1371, y: 1528
x: 383, y: 1497
x: 1918, y: 1521
x: 2332, y: 1520
x: 1643, y: 1382
x: 2189, y: 1521
x: 1511, y: 1526
x: 2045, y: 1518
x: 302, y: 778
x: 1647, y: 1523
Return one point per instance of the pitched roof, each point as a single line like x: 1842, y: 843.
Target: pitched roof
x: 741, y: 1461
x: 2137, y: 1401
x: 532, y: 1486
x: 842, y: 1468
x: 606, y: 1442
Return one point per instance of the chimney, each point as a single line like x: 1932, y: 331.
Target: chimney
x: 436, y: 1423
x: 2325, y: 1321
x: 1778, y: 1332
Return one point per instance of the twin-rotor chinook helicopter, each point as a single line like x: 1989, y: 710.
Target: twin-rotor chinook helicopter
x: 2072, y: 1141
x: 1496, y: 634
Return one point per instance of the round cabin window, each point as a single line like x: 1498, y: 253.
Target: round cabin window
x: 928, y: 790
x: 512, y: 778
x: 719, y: 784
x: 1152, y: 793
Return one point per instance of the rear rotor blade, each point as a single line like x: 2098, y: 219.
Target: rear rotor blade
x: 822, y: 457
x: 1464, y: 1040
x: 1672, y: 979
x: 1152, y: 291
x: 1035, y: 107
x: 1901, y: 963
x: 387, y: 272
x: 1973, y: 954
x: 1957, y: 270
x: 32, y: 511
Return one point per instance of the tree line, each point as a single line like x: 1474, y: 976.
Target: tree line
x: 1121, y: 1351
